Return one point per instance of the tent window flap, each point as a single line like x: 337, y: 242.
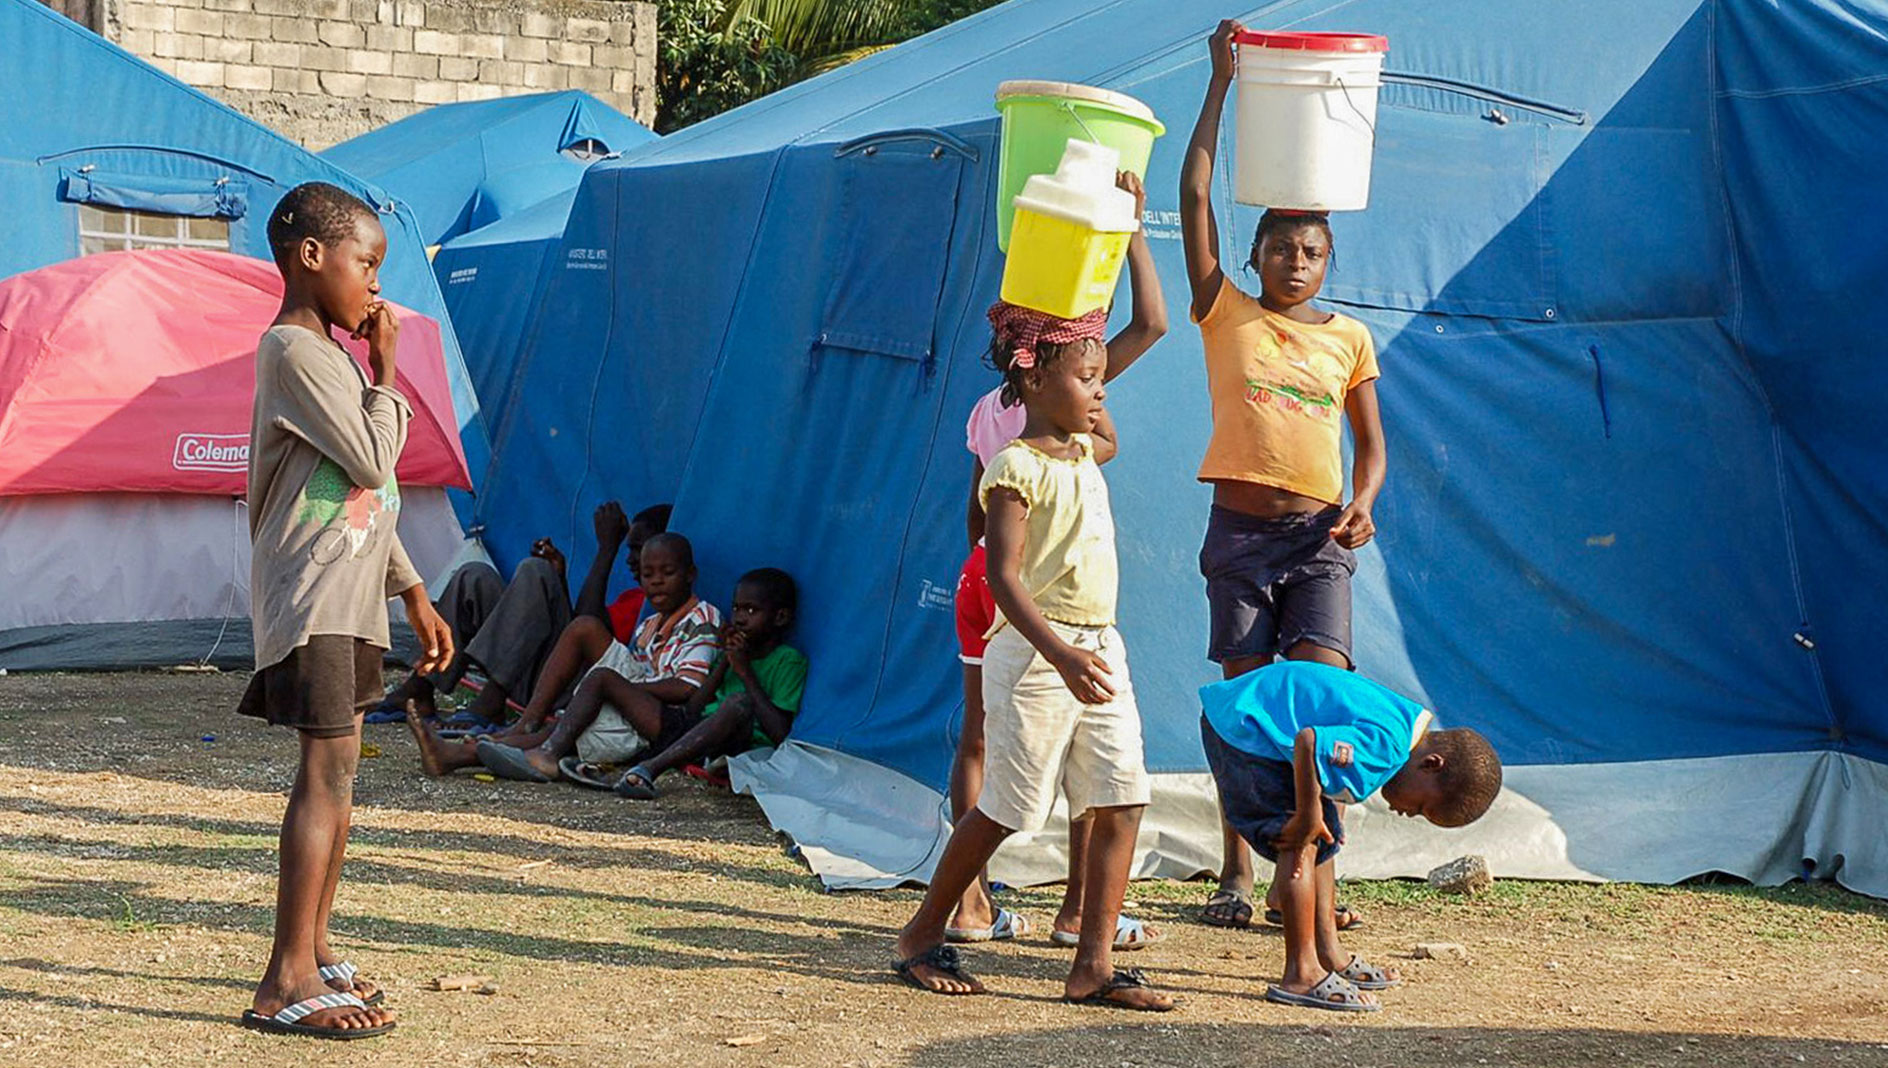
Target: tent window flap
x: 901, y: 203
x: 197, y: 198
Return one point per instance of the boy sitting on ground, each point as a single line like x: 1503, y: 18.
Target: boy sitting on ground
x: 586, y: 644
x: 751, y: 696
x: 634, y: 695
x: 1286, y: 744
x: 508, y: 630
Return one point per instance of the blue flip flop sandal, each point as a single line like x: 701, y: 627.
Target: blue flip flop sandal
x: 508, y: 762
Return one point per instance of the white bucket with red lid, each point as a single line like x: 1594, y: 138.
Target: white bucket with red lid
x: 1305, y: 119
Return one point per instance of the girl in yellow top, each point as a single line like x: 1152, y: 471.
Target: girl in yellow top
x: 1059, y: 711
x: 1278, y: 554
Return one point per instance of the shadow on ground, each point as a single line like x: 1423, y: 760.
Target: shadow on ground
x: 1145, y: 1042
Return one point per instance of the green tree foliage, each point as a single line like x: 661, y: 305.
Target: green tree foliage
x: 708, y: 62
x: 719, y: 54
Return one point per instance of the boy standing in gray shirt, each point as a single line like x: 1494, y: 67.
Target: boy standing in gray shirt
x: 323, y: 505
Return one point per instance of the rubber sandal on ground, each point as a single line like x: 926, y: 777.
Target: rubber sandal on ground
x: 1008, y: 926
x: 1129, y: 934
x: 508, y: 762
x: 1122, y: 979
x: 288, y: 1021
x: 589, y: 773
x: 939, y: 958
x: 641, y: 789
x: 385, y: 712
x: 347, y: 973
x: 1366, y: 976
x: 1334, y: 993
x: 1235, y: 906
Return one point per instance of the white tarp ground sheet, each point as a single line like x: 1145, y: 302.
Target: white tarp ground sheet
x: 1767, y: 818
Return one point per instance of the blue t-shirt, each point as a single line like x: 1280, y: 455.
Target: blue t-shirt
x: 1364, y: 731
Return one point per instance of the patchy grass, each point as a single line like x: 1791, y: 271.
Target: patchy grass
x: 137, y: 876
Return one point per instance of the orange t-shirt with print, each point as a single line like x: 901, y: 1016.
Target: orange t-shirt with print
x: 1278, y: 388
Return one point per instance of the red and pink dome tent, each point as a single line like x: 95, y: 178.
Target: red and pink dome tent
x: 126, y: 382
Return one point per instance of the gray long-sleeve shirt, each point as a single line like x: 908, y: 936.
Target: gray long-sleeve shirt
x: 323, y: 502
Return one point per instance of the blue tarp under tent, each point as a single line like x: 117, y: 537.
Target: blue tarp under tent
x: 1617, y: 263
x: 101, y: 152
x: 467, y: 165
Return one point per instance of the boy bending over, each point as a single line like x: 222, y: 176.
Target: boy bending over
x: 749, y: 699
x: 1286, y: 744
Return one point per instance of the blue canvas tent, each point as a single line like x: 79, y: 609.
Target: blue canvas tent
x: 100, y: 151
x: 1618, y: 264
x: 463, y: 166
x: 491, y: 278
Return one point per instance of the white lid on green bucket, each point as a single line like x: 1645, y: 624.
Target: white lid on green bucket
x: 1071, y: 91
x: 1082, y: 190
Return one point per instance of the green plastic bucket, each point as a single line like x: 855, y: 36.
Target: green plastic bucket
x: 1039, y: 120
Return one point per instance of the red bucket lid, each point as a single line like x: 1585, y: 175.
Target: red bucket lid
x: 1314, y: 42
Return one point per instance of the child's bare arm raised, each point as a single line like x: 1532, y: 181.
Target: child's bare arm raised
x: 1199, y: 230
x: 1150, y: 305
x: 361, y: 433
x: 1085, y: 673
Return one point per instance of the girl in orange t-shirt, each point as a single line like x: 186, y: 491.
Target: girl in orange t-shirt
x: 1278, y: 554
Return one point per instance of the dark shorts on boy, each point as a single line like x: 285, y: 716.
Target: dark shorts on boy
x: 1274, y: 582
x: 319, y: 687
x: 1258, y: 796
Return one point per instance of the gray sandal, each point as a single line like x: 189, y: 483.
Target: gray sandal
x: 1366, y: 976
x: 1334, y: 993
x: 1236, y: 906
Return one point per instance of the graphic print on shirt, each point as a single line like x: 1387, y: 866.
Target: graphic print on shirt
x: 1297, y: 373
x: 330, y: 495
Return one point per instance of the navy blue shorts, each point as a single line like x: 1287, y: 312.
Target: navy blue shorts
x: 1272, y: 583
x: 1258, y: 796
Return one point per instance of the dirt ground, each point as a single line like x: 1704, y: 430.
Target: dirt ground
x: 137, y: 863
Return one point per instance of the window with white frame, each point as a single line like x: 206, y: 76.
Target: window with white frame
x: 119, y: 230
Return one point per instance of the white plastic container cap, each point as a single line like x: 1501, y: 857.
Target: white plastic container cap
x: 1087, y: 94
x: 1082, y: 190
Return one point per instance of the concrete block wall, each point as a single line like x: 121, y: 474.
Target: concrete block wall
x: 322, y: 71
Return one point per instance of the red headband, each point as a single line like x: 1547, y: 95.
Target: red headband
x: 1019, y: 330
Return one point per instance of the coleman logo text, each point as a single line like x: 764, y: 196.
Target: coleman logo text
x: 211, y: 452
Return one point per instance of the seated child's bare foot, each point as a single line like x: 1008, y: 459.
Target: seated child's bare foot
x: 431, y: 760
x: 545, y: 763
x: 935, y: 968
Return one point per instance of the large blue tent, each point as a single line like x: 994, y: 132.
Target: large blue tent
x: 466, y: 165
x: 491, y: 278
x: 1617, y: 264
